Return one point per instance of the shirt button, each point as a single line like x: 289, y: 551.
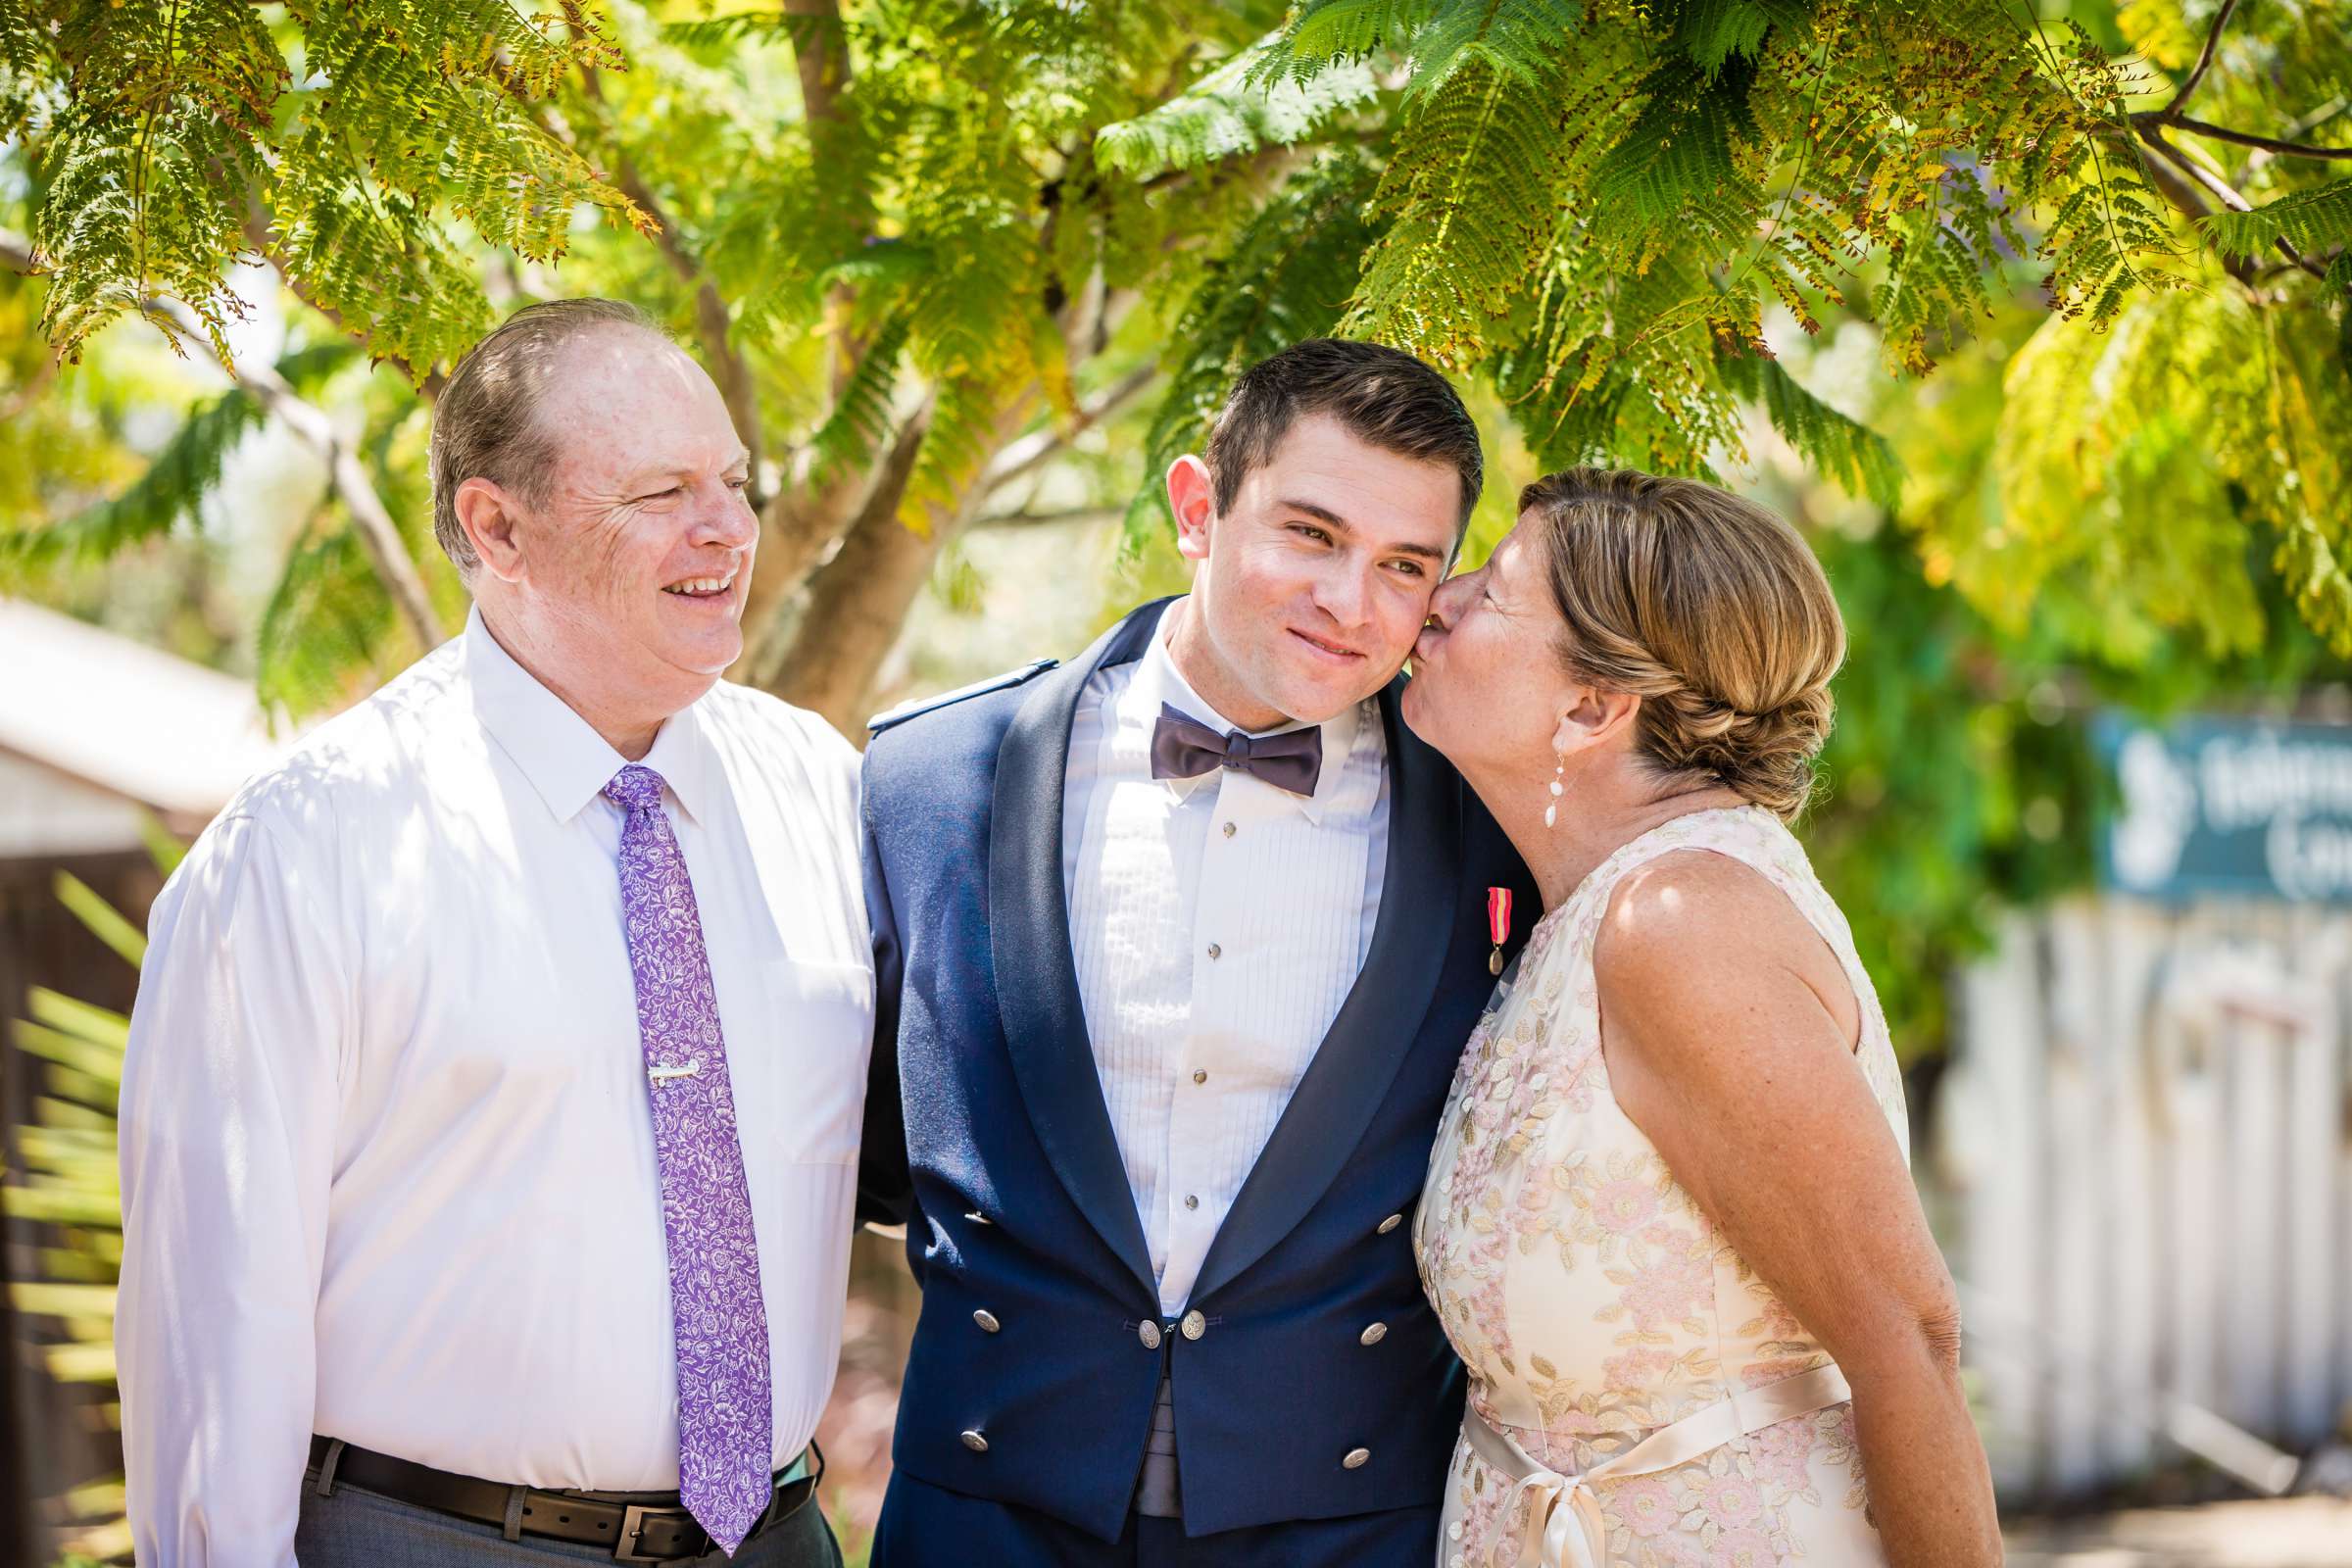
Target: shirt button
x: 986, y: 1321
x: 1147, y: 1332
x: 1194, y: 1324
x: 1192, y: 1201
x: 1214, y: 950
x: 1356, y: 1459
x: 1390, y: 1223
x: 975, y: 1442
x: 1199, y: 1075
x: 1373, y: 1333
x: 1229, y: 830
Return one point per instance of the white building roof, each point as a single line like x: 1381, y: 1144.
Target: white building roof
x: 134, y: 721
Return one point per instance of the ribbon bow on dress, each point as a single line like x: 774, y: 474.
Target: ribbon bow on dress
x: 1565, y: 1528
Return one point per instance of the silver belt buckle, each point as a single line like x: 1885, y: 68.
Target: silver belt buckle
x: 632, y: 1525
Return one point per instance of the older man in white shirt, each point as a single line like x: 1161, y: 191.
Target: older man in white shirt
x: 490, y: 1118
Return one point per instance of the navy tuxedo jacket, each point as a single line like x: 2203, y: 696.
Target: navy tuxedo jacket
x: 1032, y: 1376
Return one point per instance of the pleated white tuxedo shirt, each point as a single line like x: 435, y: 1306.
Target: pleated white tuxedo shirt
x: 389, y: 1165
x: 1217, y: 923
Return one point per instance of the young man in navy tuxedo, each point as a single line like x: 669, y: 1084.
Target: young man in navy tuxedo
x: 1177, y: 947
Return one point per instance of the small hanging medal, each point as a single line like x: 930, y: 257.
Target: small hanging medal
x: 1498, y: 925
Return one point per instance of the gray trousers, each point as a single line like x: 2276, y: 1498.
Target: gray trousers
x: 360, y: 1528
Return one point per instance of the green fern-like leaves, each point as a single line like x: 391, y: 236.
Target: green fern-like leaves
x: 1473, y: 191
x: 1839, y: 445
x: 165, y: 496
x: 323, y: 623
x: 1230, y: 112
x: 164, y: 126
x: 165, y: 115
x: 1286, y: 276
x: 2308, y: 220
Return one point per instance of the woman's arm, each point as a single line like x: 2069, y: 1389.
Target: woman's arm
x: 1728, y: 1027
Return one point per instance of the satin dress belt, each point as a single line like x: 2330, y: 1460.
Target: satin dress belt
x: 1564, y: 1526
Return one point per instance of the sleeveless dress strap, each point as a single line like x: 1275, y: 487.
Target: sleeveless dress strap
x: 1564, y: 1523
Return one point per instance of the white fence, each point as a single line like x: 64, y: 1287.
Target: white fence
x: 2147, y: 1137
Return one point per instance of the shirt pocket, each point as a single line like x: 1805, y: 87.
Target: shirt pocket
x: 820, y: 1027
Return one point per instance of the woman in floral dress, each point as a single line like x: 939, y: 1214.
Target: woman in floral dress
x: 1669, y: 1222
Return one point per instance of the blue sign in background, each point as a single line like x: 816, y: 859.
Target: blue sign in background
x: 2243, y: 807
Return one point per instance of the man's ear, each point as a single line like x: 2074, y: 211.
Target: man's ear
x: 1192, y: 498
x: 489, y: 516
x: 1593, y: 717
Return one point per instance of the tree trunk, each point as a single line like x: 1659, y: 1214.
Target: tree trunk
x: 793, y: 531
x: 858, y: 602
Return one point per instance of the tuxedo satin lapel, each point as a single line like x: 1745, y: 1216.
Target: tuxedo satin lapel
x: 1378, y: 1023
x: 1029, y: 940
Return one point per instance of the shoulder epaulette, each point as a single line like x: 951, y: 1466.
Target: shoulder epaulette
x: 979, y: 688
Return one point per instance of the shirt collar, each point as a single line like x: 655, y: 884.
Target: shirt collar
x: 560, y: 753
x: 1157, y: 680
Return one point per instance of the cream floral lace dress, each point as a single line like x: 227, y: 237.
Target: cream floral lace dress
x: 1594, y: 1305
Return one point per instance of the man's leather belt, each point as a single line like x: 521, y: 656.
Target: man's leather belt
x: 641, y: 1527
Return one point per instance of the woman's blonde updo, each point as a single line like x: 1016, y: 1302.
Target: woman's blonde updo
x: 1709, y: 609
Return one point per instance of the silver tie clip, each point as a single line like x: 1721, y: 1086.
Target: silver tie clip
x: 662, y: 1075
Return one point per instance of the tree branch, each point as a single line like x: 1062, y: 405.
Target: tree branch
x: 2267, y: 144
x: 820, y: 50
x: 1039, y: 447
x: 711, y: 317
x: 2222, y: 192
x: 1030, y: 519
x: 378, y: 535
x: 858, y: 601
x: 2183, y: 196
x: 2213, y: 37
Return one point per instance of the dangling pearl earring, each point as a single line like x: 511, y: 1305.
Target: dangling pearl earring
x: 1552, y: 808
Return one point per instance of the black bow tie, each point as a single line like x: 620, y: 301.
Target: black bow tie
x: 1184, y: 748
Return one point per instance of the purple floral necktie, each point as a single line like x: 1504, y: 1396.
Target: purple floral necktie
x: 726, y: 1416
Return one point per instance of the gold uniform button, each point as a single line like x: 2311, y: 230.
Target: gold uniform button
x: 1194, y: 1324
x: 976, y: 1443
x: 1356, y: 1459
x: 989, y: 1324
x: 1373, y: 1333
x: 1390, y: 1223
x: 1147, y: 1332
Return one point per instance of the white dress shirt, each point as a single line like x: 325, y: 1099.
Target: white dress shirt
x: 1217, y: 923
x: 388, y: 1164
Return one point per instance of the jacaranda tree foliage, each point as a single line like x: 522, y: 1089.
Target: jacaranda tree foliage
x: 922, y: 244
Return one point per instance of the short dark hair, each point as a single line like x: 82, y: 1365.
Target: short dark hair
x: 486, y: 421
x: 1383, y: 396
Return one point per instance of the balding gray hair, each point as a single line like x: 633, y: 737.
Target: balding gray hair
x: 487, y: 423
